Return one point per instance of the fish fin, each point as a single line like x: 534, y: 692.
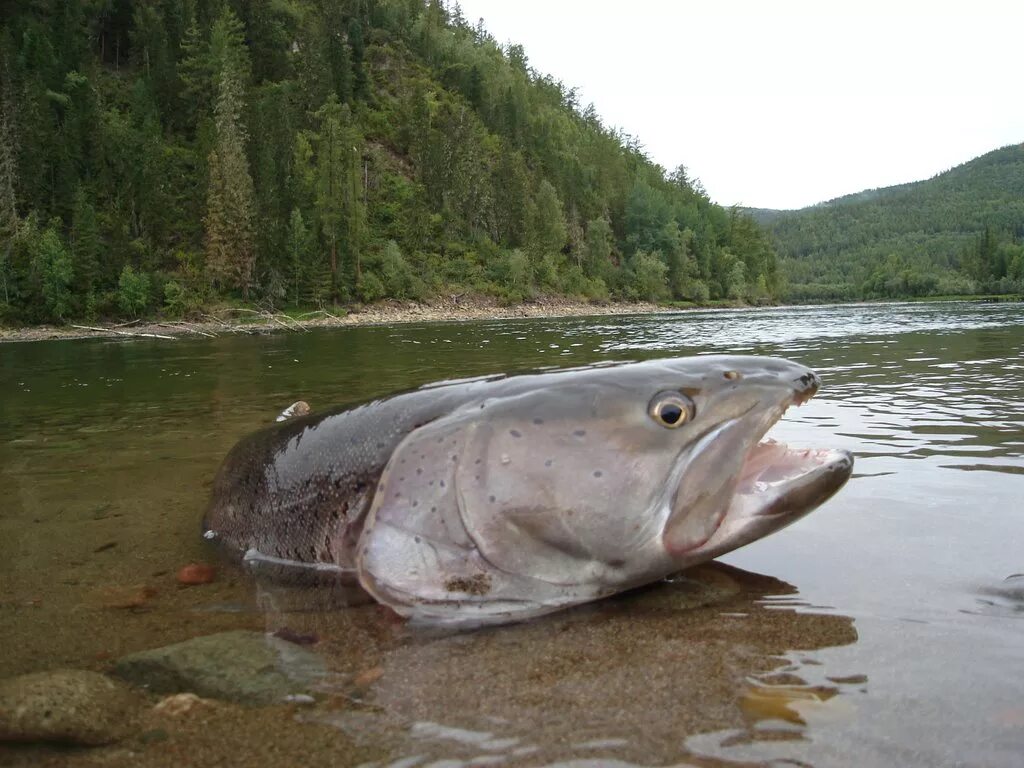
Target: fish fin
x: 270, y: 569
x: 298, y: 408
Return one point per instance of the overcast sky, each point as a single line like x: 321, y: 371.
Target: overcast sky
x: 785, y: 103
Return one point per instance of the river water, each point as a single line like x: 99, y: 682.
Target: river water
x: 884, y: 629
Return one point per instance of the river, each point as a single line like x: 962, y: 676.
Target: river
x: 884, y: 629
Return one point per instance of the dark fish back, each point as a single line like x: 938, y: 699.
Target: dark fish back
x: 299, y: 491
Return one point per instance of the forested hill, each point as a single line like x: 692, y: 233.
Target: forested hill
x: 961, y: 232
x: 158, y: 155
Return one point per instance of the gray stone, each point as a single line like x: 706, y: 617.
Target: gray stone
x: 240, y: 666
x: 67, y: 706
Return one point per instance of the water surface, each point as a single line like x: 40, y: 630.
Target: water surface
x: 880, y: 630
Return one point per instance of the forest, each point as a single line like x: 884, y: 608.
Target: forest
x: 959, y: 233
x: 160, y: 156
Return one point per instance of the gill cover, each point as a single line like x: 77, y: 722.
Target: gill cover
x: 516, y: 504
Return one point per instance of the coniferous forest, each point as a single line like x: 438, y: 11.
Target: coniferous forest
x: 157, y: 156
x: 959, y: 233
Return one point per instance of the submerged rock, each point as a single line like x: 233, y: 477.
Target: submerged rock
x: 67, y: 706
x: 240, y: 666
x: 179, y: 704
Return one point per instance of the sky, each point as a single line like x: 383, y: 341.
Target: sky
x: 786, y: 103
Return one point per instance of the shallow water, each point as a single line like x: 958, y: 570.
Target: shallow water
x: 880, y: 630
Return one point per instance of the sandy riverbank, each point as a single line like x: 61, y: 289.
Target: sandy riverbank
x: 245, y: 321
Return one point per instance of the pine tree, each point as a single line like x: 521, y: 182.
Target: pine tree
x: 597, y: 249
x: 299, y: 247
x: 8, y: 178
x: 338, y: 192
x: 547, y: 232
x: 86, y: 246
x: 231, y: 199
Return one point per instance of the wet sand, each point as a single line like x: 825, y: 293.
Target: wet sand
x: 630, y: 678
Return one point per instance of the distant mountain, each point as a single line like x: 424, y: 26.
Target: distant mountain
x: 960, y: 232
x: 765, y: 216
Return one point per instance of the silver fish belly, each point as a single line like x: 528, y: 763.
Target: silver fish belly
x: 494, y: 500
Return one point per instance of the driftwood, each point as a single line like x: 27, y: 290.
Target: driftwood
x: 124, y: 333
x: 229, y: 326
x: 188, y: 327
x: 272, y: 318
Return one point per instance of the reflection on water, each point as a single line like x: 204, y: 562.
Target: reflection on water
x: 630, y: 677
x: 898, y: 641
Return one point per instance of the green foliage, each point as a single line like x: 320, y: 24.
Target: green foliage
x: 300, y: 267
x: 649, y: 277
x: 953, y: 234
x: 132, y: 291
x: 513, y: 273
x: 184, y: 292
x: 53, y: 271
x: 546, y: 224
x: 387, y: 273
x: 86, y: 245
x: 318, y: 152
x: 231, y: 199
x: 338, y: 193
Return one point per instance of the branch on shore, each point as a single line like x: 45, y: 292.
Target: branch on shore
x: 229, y: 326
x: 283, y: 320
x: 188, y: 327
x: 124, y: 333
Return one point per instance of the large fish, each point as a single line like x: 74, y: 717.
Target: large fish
x: 493, y: 500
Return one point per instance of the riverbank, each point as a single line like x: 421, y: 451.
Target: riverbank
x: 233, y: 320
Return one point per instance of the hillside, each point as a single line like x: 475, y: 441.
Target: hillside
x: 960, y: 232
x: 158, y: 156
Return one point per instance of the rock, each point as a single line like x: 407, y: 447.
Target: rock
x: 240, y: 666
x: 68, y: 706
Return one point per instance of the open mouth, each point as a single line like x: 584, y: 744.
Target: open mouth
x: 763, y: 485
x: 776, y: 479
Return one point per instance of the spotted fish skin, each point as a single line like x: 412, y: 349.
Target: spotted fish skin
x: 487, y: 501
x: 299, y: 490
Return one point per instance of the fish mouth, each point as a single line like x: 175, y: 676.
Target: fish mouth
x: 778, y: 484
x: 764, y: 484
x: 776, y: 479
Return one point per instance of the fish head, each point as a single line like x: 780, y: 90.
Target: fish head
x: 611, y: 476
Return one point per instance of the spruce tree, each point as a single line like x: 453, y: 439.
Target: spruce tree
x: 8, y: 178
x: 339, y: 202
x: 231, y: 197
x: 86, y: 246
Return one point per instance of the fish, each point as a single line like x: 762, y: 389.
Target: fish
x: 498, y: 499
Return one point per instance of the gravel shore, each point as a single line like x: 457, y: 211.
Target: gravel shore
x: 382, y: 313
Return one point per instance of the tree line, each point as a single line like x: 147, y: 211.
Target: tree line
x: 959, y: 233
x: 159, y: 156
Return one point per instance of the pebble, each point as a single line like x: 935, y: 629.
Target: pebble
x: 194, y: 574
x: 179, y: 704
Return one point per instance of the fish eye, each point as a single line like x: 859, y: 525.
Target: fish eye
x: 671, y: 409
